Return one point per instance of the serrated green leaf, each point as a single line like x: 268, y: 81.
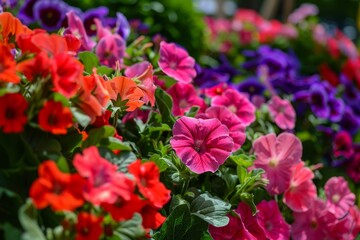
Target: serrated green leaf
x: 90, y: 60
x: 27, y: 218
x: 211, y: 209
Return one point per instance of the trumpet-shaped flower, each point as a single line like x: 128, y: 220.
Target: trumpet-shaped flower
x: 230, y: 120
x: 282, y: 112
x: 110, y: 49
x: 88, y: 227
x: 176, y: 63
x: 339, y: 197
x: 55, y: 118
x: 238, y: 104
x: 12, y: 116
x: 301, y: 191
x: 270, y: 219
x: 8, y: 66
x: 203, y: 145
x: 277, y: 155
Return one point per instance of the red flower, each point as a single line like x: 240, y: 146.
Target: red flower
x: 147, y: 179
x: 351, y: 69
x: 38, y: 66
x: 12, y: 116
x: 88, y: 227
x: 59, y: 190
x: 124, y: 210
x: 328, y: 74
x: 7, y: 66
x: 55, y: 118
x: 343, y: 145
x: 151, y: 217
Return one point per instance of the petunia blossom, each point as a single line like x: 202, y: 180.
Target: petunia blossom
x: 282, y: 112
x: 8, y: 65
x: 176, y: 63
x: 203, y: 145
x: 339, y: 197
x: 110, y: 49
x: 238, y: 104
x: 230, y: 120
x: 184, y: 97
x: 343, y: 145
x: 271, y: 221
x: 277, y: 155
x: 12, y: 113
x: 50, y: 13
x: 88, y: 226
x: 301, y: 191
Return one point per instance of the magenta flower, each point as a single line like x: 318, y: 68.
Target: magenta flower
x: 110, y: 49
x: 184, y: 97
x: 176, y: 63
x: 238, y: 104
x: 353, y: 168
x: 270, y: 219
x: 143, y: 72
x: 230, y: 120
x: 203, y: 145
x: 104, y: 184
x: 250, y: 221
x: 76, y: 28
x: 282, y: 112
x: 339, y: 197
x: 277, y: 156
x: 301, y: 191
x: 343, y: 145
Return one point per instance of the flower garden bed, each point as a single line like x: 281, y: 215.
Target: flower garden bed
x: 108, y: 133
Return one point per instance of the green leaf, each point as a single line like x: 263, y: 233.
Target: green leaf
x: 10, y: 232
x: 121, y: 160
x: 164, y: 104
x: 115, y: 144
x: 90, y: 60
x: 162, y: 128
x: 63, y: 165
x: 27, y: 217
x: 248, y: 198
x: 104, y: 70
x: 132, y: 229
x: 159, y: 161
x: 193, y: 111
x: 80, y: 117
x: 243, y: 160
x: 97, y: 134
x: 211, y: 209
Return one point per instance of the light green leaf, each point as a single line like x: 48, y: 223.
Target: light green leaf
x: 132, y: 229
x: 27, y: 217
x: 90, y: 60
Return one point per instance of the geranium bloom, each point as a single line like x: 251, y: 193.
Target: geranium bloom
x: 12, y: 113
x: 147, y: 177
x: 55, y: 118
x: 143, y: 72
x: 230, y: 120
x: 238, y: 104
x: 176, y: 63
x: 8, y: 65
x: 59, y: 190
x: 104, y: 184
x: 301, y: 191
x: 203, y: 145
x: 184, y: 97
x: 339, y: 197
x: 124, y: 89
x: 124, y: 210
x: 277, y: 155
x: 342, y: 145
x: 270, y: 219
x: 88, y: 227
x: 282, y: 112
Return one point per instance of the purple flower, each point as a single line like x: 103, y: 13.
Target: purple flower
x: 337, y: 108
x: 251, y: 86
x: 90, y: 15
x: 26, y: 13
x: 319, y: 101
x: 111, y: 48
x: 8, y: 3
x: 122, y: 26
x: 50, y: 13
x: 207, y: 77
x: 350, y: 121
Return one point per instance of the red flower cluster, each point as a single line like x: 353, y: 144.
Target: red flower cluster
x: 12, y: 112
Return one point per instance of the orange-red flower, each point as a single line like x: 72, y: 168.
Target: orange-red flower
x: 52, y: 44
x: 25, y: 43
x: 12, y: 113
x: 88, y: 227
x: 124, y: 210
x: 10, y: 27
x: 151, y: 217
x: 7, y: 66
x: 55, y: 118
x: 124, y: 89
x: 38, y: 66
x: 59, y: 190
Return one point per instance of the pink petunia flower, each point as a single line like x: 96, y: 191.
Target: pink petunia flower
x: 301, y: 191
x: 230, y: 120
x: 317, y: 223
x: 238, y: 104
x: 184, y: 97
x: 277, y: 155
x: 203, y: 145
x: 216, y: 90
x: 176, y: 63
x: 270, y: 219
x: 339, y: 197
x: 143, y: 72
x: 110, y: 49
x: 76, y: 28
x: 104, y: 184
x: 282, y: 112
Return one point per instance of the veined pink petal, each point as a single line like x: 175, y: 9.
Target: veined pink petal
x: 282, y: 112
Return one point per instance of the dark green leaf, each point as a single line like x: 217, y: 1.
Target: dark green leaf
x: 97, y: 134
x: 90, y: 60
x: 211, y: 209
x: 115, y: 144
x: 10, y: 232
x: 122, y: 160
x: 164, y: 104
x: 130, y: 230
